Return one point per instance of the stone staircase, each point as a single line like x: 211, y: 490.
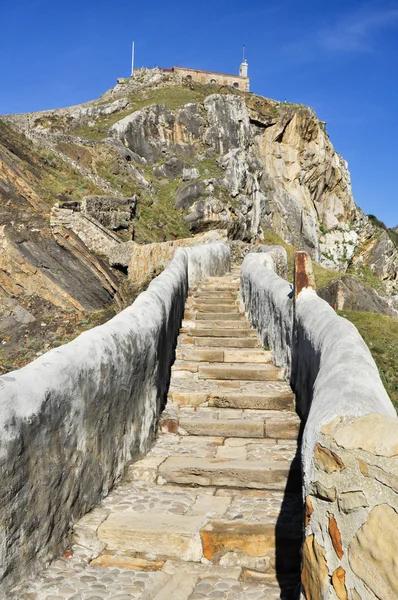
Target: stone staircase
x: 214, y: 509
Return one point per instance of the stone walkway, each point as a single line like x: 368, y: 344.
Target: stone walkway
x: 214, y: 510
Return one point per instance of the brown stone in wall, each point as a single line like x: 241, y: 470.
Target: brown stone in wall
x: 338, y: 582
x: 314, y: 573
x: 373, y: 552
x: 308, y: 510
x: 335, y: 536
x: 327, y: 460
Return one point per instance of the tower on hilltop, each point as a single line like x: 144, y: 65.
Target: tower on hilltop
x: 243, y: 68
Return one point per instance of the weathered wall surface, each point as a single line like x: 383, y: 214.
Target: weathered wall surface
x: 350, y: 439
x: 150, y: 258
x: 71, y: 419
x: 95, y: 236
x: 206, y: 77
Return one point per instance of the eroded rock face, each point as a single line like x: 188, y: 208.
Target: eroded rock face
x: 112, y: 212
x: 271, y: 166
x: 154, y: 129
x: 348, y: 293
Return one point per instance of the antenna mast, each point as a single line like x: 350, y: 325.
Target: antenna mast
x: 243, y: 52
x: 132, y: 61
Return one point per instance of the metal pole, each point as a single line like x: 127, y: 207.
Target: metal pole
x: 132, y: 61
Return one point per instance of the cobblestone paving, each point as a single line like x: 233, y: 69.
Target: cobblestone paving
x: 93, y: 569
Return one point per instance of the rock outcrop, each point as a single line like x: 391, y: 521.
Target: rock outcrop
x: 165, y: 160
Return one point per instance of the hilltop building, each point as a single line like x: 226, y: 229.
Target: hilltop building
x: 241, y: 81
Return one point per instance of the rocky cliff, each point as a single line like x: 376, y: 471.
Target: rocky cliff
x: 153, y: 160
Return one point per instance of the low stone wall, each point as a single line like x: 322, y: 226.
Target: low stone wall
x: 349, y: 472
x: 70, y: 420
x: 95, y: 236
x: 150, y: 258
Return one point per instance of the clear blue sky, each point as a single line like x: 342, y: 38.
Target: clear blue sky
x: 339, y: 57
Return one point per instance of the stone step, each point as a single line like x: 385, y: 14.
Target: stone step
x: 213, y: 308
x: 166, y: 535
x: 220, y: 355
x: 240, y: 372
x: 219, y: 332
x: 211, y: 294
x: 272, y: 427
x: 130, y: 536
x: 231, y: 342
x: 231, y: 287
x: 202, y: 316
x: 199, y: 300
x: 254, y: 544
x: 223, y: 324
x: 265, y: 475
x: 266, y: 401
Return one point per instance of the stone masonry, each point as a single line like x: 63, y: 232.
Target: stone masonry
x: 214, y: 509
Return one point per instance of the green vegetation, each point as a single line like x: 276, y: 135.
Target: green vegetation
x: 381, y: 335
x: 158, y: 219
x: 173, y: 97
x: 364, y: 273
x: 59, y: 180
x: 47, y: 174
x: 209, y: 169
x: 392, y: 233
x: 323, y: 277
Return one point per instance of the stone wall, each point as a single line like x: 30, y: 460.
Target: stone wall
x: 95, y: 236
x: 151, y: 258
x: 71, y: 419
x: 350, y: 439
x: 206, y: 77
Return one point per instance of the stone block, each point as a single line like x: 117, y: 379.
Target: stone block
x: 231, y: 342
x: 373, y: 433
x: 219, y: 537
x: 269, y: 475
x: 127, y: 562
x: 349, y: 501
x: 286, y: 429
x: 155, y: 533
x: 268, y: 400
x: 188, y: 398
x: 308, y: 511
x: 247, y: 356
x: 335, y: 536
x: 373, y: 552
x: 240, y: 372
x: 375, y: 472
x: 315, y: 572
x: 235, y: 316
x: 243, y: 428
x: 324, y: 493
x: 338, y: 582
x: 221, y: 332
x: 327, y: 460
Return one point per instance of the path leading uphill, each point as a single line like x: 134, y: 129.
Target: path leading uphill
x: 214, y: 509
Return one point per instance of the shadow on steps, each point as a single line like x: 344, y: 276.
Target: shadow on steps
x: 289, y: 533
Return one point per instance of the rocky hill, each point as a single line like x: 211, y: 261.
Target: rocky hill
x: 154, y: 160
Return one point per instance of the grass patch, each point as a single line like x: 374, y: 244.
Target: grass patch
x: 158, y: 219
x: 380, y: 333
x: 323, y: 277
x: 209, y: 169
x: 62, y: 181
x: 49, y: 176
x: 173, y: 97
